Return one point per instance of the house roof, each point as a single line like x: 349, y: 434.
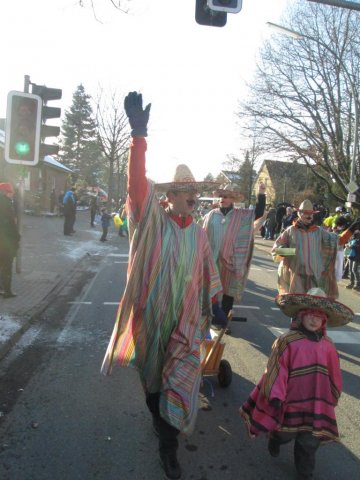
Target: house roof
x: 231, y: 176
x: 278, y: 169
x: 52, y: 162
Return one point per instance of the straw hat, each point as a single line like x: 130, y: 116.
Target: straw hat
x: 230, y: 190
x: 291, y: 303
x: 184, y: 181
x: 307, y: 207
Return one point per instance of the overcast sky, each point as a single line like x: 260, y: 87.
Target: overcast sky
x: 193, y: 75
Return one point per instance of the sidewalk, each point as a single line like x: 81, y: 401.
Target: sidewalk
x: 48, y: 260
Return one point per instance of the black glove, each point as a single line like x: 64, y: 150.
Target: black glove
x: 355, y: 225
x: 138, y: 118
x: 220, y: 319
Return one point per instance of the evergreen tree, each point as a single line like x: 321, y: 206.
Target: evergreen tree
x: 247, y: 176
x: 79, y: 147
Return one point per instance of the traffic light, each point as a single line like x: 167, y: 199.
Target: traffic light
x: 47, y: 94
x: 22, y: 132
x: 228, y: 6
x: 205, y: 16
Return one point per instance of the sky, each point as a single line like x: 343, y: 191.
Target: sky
x: 194, y: 76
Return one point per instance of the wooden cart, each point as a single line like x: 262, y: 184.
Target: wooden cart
x: 213, y: 363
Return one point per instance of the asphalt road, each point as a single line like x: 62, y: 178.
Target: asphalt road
x: 62, y: 420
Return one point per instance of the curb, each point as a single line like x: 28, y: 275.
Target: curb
x: 39, y: 309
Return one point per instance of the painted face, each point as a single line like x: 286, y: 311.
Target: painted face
x: 225, y: 201
x: 306, y: 218
x: 312, y: 321
x: 183, y: 203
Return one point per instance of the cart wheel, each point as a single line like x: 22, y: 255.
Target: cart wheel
x: 225, y: 374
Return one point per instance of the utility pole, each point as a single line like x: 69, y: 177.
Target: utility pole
x: 20, y: 200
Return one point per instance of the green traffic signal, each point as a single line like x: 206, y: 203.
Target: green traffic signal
x: 22, y: 148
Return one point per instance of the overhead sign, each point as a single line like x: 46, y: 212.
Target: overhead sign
x: 352, y: 187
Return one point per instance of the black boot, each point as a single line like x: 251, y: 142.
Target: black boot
x: 168, y: 445
x: 274, y: 447
x: 171, y: 466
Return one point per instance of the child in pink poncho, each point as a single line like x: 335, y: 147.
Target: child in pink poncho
x: 296, y: 397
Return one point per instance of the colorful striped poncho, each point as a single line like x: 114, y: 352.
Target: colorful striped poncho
x: 159, y: 327
x: 231, y: 238
x: 305, y: 376
x: 314, y: 262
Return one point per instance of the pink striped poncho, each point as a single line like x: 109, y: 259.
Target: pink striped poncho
x: 164, y: 314
x: 305, y: 376
x: 231, y: 238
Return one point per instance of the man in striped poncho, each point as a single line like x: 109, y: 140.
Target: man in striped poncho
x: 165, y: 312
x: 230, y: 232
x: 313, y: 264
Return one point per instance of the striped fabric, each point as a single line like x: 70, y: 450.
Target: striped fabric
x: 305, y: 375
x: 314, y: 262
x: 231, y: 238
x: 159, y: 325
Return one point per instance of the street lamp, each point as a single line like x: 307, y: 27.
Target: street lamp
x: 299, y: 36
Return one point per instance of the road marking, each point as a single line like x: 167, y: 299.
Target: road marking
x: 122, y: 262
x: 118, y: 255
x: 111, y: 303
x: 80, y: 303
x: 275, y: 308
x: 250, y: 307
x: 339, y: 336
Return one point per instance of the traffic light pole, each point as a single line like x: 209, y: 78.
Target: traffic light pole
x: 20, y: 201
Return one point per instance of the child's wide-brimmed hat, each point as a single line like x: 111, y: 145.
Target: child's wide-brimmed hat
x: 230, y: 190
x: 307, y: 207
x: 184, y: 181
x: 292, y: 303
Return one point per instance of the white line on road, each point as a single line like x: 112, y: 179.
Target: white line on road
x: 250, y: 307
x: 111, y: 303
x: 122, y: 262
x: 118, y: 255
x: 81, y: 303
x: 338, y: 336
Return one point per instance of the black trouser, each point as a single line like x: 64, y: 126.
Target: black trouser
x: 6, y: 261
x: 168, y: 442
x: 92, y: 217
x: 305, y: 448
x: 104, y: 233
x: 68, y: 224
x: 227, y: 303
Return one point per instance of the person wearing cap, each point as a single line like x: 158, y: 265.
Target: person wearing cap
x: 230, y: 231
x: 296, y: 397
x: 313, y: 261
x: 330, y: 222
x: 9, y: 238
x: 165, y: 312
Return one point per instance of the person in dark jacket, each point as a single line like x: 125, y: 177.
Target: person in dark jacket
x: 69, y: 203
x: 9, y: 238
x: 105, y: 223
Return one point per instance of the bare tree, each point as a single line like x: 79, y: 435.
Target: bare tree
x: 305, y: 92
x: 113, y: 135
x: 122, y: 5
